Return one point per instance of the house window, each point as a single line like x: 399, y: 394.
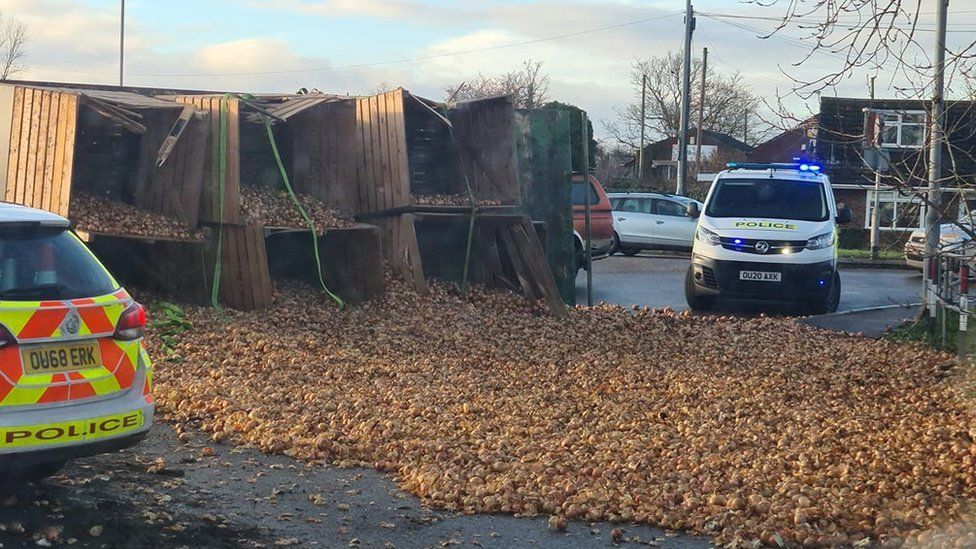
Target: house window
x: 903, y: 130
x: 897, y: 212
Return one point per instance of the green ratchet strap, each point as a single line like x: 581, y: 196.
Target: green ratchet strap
x: 301, y: 210
x: 474, y: 211
x: 222, y: 181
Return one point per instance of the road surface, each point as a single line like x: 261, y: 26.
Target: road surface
x: 655, y: 281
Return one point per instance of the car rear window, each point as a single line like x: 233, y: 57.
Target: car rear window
x: 40, y: 263
x: 579, y: 194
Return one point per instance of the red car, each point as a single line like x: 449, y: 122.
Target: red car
x: 601, y: 219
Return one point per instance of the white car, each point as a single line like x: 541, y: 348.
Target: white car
x: 652, y: 221
x: 951, y: 238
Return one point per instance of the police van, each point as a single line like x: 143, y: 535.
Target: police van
x: 767, y: 232
x: 75, y: 378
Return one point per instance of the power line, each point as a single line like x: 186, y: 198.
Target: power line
x: 842, y: 22
x: 419, y: 58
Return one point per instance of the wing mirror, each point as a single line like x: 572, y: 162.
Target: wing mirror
x: 844, y: 216
x: 692, y: 210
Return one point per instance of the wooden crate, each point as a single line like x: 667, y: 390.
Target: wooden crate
x: 245, y: 281
x: 39, y: 163
x: 51, y: 135
x: 210, y: 206
x: 352, y: 262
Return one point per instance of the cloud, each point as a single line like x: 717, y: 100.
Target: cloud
x: 397, y: 10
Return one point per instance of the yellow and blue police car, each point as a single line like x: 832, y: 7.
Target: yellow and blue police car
x: 75, y: 378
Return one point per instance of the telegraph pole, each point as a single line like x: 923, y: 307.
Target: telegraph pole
x: 701, y: 112
x: 122, y: 45
x: 937, y: 136
x: 640, y: 152
x: 876, y: 210
x: 685, y: 101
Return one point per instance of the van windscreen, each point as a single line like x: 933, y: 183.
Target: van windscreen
x: 769, y: 198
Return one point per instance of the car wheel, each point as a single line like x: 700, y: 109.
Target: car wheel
x: 697, y: 303
x: 630, y: 252
x: 614, y: 244
x: 830, y: 302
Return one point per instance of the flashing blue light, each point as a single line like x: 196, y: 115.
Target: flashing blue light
x: 738, y: 241
x: 822, y: 282
x: 809, y: 168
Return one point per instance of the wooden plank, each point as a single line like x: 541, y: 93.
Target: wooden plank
x: 368, y: 180
x: 527, y: 242
x: 263, y: 292
x: 67, y: 167
x: 522, y: 271
x: 64, y: 114
x: 47, y: 187
x: 385, y: 151
x: 402, y: 162
x: 16, y: 123
x: 360, y: 163
x: 40, y: 152
x: 26, y: 193
x: 197, y: 141
x: 232, y: 189
x: 27, y: 116
x: 411, y: 258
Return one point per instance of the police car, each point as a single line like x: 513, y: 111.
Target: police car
x: 767, y: 232
x: 74, y: 373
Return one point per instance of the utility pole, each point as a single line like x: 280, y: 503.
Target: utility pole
x: 936, y: 136
x: 701, y: 112
x: 685, y: 101
x: 640, y: 152
x: 876, y: 210
x: 122, y: 45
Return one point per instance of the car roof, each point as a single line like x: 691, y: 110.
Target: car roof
x: 772, y: 174
x: 644, y: 194
x: 15, y: 213
x: 641, y: 194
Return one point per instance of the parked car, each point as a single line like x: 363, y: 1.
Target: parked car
x: 652, y: 221
x: 74, y: 373
x: 951, y: 238
x: 601, y: 219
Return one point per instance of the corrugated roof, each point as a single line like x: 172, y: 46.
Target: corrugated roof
x: 123, y: 99
x: 290, y: 105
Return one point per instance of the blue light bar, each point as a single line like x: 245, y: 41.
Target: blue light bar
x: 809, y: 167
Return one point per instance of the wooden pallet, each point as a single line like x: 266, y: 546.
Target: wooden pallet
x: 245, y: 281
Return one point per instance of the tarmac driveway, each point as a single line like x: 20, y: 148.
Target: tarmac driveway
x: 656, y: 281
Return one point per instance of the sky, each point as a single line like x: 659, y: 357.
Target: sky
x: 354, y: 46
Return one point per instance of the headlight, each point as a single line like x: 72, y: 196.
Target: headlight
x: 708, y: 237
x: 820, y: 242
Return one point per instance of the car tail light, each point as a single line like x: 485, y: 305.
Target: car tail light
x: 6, y: 338
x: 132, y: 323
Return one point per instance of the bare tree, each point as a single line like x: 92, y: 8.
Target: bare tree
x: 528, y: 87
x: 13, y: 42
x: 727, y: 102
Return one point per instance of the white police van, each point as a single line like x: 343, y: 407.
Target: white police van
x: 767, y: 232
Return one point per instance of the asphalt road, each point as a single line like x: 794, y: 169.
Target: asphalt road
x: 655, y: 281
x: 215, y: 495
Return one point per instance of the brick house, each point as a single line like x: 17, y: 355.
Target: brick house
x: 836, y: 139
x: 661, y: 158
